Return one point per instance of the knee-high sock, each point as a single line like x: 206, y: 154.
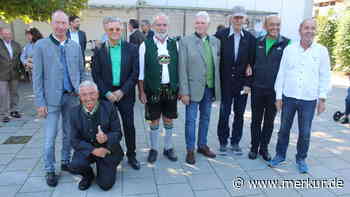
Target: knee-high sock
x: 168, y: 142
x: 153, y: 136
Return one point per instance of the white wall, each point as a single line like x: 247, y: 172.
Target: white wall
x: 292, y: 12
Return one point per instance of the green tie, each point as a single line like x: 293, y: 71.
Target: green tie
x: 210, y: 63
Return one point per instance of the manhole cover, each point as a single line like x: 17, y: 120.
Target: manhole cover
x: 18, y: 140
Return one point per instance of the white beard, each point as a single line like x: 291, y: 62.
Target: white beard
x: 162, y: 35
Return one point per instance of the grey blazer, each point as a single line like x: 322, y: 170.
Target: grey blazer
x: 48, y: 70
x: 193, y: 68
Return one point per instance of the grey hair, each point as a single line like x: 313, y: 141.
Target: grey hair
x: 88, y: 83
x: 203, y: 14
x: 57, y: 12
x: 145, y: 22
x: 306, y: 20
x: 110, y: 19
x: 160, y: 15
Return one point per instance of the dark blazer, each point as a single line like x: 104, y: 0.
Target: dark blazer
x: 232, y: 73
x: 82, y: 40
x: 102, y: 70
x: 10, y: 68
x: 137, y: 38
x: 83, y: 131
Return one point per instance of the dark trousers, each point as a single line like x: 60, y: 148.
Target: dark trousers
x: 106, y: 168
x: 306, y: 111
x: 126, y: 110
x: 263, y: 108
x: 347, y: 103
x: 239, y: 103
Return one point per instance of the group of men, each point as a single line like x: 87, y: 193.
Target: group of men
x: 199, y: 69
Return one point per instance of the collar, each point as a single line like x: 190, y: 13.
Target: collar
x: 279, y: 38
x: 198, y: 36
x: 311, y: 46
x: 133, y: 31
x: 108, y: 44
x: 74, y: 32
x: 93, y: 110
x: 7, y: 43
x: 55, y: 40
x: 156, y: 40
x: 233, y: 32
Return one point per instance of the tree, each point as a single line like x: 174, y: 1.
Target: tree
x: 327, y: 28
x: 37, y: 10
x: 342, y: 38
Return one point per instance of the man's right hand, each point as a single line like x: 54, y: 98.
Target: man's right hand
x: 278, y: 105
x: 111, y: 98
x: 42, y: 112
x: 143, y: 97
x: 185, y: 99
x: 101, y: 152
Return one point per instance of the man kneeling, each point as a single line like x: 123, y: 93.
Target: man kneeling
x: 95, y: 137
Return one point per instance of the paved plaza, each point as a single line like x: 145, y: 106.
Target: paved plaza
x: 22, y: 175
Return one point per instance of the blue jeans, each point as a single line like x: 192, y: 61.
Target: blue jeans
x: 306, y: 111
x: 204, y: 118
x: 51, y: 129
x: 347, y: 103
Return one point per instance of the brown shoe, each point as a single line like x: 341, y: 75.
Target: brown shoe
x: 190, y: 158
x: 205, y: 150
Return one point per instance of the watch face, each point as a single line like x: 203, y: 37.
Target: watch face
x: 164, y: 59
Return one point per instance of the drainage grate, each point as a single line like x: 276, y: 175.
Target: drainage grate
x: 18, y: 140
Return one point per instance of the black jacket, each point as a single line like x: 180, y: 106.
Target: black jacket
x: 82, y: 41
x: 137, y: 38
x: 266, y: 67
x: 102, y: 70
x: 84, y: 130
x: 232, y: 74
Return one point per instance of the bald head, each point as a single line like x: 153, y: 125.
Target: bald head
x: 273, y: 26
x: 59, y: 24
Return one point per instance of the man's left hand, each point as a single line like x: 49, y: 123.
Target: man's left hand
x: 101, y: 137
x: 118, y: 95
x: 321, y: 106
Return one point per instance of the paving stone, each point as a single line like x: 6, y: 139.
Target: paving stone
x: 13, y: 178
x: 172, y: 190
x: 143, y: 185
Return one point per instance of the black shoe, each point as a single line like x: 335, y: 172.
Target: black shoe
x: 134, y: 163
x: 152, y: 156
x: 170, y: 154
x: 51, y: 179
x: 65, y: 167
x: 85, y: 182
x: 5, y: 119
x: 265, y: 155
x: 345, y: 120
x: 252, y: 155
x: 15, y: 114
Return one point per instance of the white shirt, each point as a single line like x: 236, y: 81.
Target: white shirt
x: 162, y: 50
x: 237, y: 37
x: 74, y: 36
x: 304, y: 74
x: 9, y: 48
